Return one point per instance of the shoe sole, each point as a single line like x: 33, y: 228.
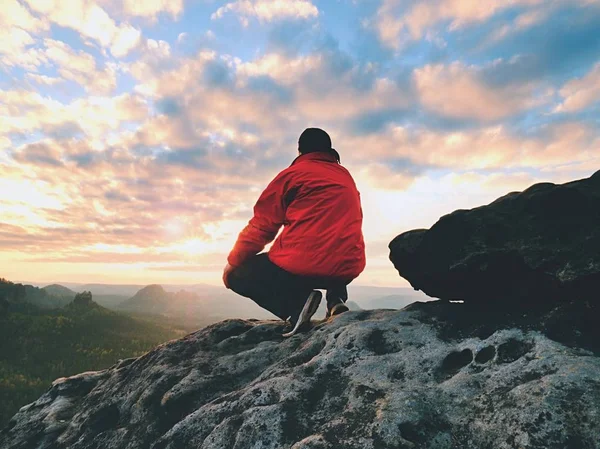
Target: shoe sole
x: 310, y: 308
x: 337, y: 310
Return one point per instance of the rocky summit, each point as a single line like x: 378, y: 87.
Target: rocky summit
x: 541, y: 244
x: 514, y: 365
x: 368, y: 379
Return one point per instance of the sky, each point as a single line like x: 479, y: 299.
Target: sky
x: 136, y: 136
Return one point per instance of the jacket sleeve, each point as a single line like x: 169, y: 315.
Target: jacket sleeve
x: 269, y: 216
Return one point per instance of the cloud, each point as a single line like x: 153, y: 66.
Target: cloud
x: 270, y: 87
x: 460, y: 91
x: 39, y: 153
x: 14, y: 15
x: 169, y: 106
x: 81, y: 67
x: 115, y: 194
x: 395, y: 174
x: 523, y: 21
x: 217, y: 73
x: 152, y: 8
x: 16, y: 49
x: 88, y: 200
x: 165, y: 131
x: 188, y: 157
x: 419, y: 149
x: 268, y: 10
x: 398, y: 21
x: 26, y: 112
x: 44, y: 80
x: 380, y: 120
x: 92, y: 22
x: 126, y: 39
x: 154, y: 58
x: 289, y: 36
x: 566, y: 43
x: 211, y: 91
x: 329, y: 78
x: 121, y: 210
x: 243, y: 112
x: 5, y: 143
x: 375, y: 121
x: 581, y: 93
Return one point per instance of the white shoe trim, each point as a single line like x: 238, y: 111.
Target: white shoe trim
x: 310, y: 307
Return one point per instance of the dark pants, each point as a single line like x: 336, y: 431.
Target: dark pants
x: 279, y: 291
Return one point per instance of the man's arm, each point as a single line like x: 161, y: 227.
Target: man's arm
x: 269, y: 215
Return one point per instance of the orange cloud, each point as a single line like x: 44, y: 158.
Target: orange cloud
x: 482, y: 148
x: 580, y: 93
x: 457, y: 91
x: 27, y: 111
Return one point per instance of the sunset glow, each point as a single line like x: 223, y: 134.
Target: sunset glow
x: 135, y: 137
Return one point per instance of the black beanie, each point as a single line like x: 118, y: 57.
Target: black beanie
x: 315, y: 139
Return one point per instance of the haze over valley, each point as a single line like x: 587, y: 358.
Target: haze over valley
x: 57, y: 330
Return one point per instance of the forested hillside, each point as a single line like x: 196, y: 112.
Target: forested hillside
x: 19, y: 293
x: 39, y: 345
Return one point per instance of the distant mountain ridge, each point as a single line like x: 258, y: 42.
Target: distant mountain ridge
x: 199, y: 308
x: 150, y: 299
x: 59, y: 291
x: 110, y: 301
x: 357, y: 292
x: 191, y: 309
x: 197, y: 305
x: 13, y: 293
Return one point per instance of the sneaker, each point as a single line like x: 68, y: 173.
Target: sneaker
x: 336, y: 309
x: 310, y: 307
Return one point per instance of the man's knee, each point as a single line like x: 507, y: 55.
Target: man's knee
x: 243, y: 280
x: 235, y: 281
x: 252, y: 276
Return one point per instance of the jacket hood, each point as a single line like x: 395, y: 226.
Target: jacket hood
x: 316, y: 156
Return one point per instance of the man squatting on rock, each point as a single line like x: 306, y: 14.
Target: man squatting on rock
x: 321, y: 246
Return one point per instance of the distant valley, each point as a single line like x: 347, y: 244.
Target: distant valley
x: 198, y: 304
x: 50, y: 331
x: 47, y: 333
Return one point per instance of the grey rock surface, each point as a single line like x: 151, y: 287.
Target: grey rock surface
x: 368, y: 379
x: 541, y: 244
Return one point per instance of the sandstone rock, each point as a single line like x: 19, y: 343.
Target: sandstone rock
x: 538, y: 245
x: 368, y: 380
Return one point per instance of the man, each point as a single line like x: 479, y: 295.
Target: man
x: 321, y: 246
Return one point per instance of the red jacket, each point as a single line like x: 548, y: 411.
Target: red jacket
x: 316, y: 201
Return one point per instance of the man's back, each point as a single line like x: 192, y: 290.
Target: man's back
x: 323, y: 220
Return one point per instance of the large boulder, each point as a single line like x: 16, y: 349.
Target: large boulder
x: 413, y: 378
x: 538, y: 245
